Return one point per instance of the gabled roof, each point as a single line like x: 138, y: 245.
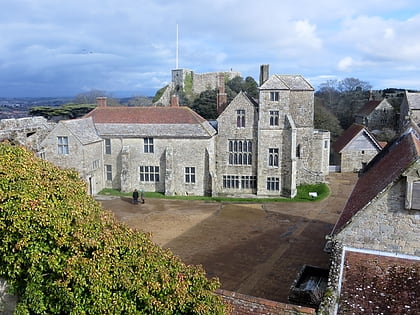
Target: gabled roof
x: 241, y: 98
x: 83, y: 129
x: 151, y: 121
x: 413, y: 99
x: 383, y: 170
x: 292, y: 82
x: 352, y: 133
x: 368, y: 108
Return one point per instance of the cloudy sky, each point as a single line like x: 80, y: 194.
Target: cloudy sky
x: 128, y: 47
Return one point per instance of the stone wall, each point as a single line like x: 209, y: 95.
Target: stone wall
x: 241, y: 304
x: 172, y: 156
x: 228, y: 130
x: 27, y: 131
x: 209, y: 80
x: 354, y: 161
x: 385, y: 225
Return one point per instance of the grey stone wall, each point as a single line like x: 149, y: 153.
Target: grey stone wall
x: 27, y: 131
x: 87, y: 159
x: 204, y: 81
x: 385, y: 225
x: 352, y: 161
x: 172, y: 156
x: 228, y: 130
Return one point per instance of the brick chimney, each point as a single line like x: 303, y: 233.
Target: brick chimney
x: 264, y: 74
x: 174, y: 101
x: 101, y: 101
x: 221, y: 94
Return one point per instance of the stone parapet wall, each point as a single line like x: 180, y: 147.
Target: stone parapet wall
x: 241, y: 304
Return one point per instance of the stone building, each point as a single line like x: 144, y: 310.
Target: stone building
x: 376, y: 115
x: 409, y: 109
x: 264, y: 148
x: 271, y: 147
x: 76, y: 144
x: 164, y: 149
x: 374, y: 244
x: 192, y: 83
x: 354, y: 149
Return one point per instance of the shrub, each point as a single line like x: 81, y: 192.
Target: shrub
x: 62, y: 254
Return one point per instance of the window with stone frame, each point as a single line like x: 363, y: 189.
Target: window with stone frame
x: 273, y: 157
x: 240, y: 118
x: 149, y: 174
x: 248, y: 181
x: 107, y: 146
x: 190, y: 175
x: 273, y: 183
x: 240, y: 152
x: 274, y: 117
x: 231, y: 181
x: 63, y: 145
x: 274, y: 96
x: 108, y: 172
x: 148, y: 145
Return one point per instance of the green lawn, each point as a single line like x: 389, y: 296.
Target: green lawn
x: 322, y: 191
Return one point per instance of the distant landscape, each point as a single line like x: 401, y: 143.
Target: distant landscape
x: 18, y: 107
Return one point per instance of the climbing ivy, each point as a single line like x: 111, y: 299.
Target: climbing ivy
x: 62, y: 254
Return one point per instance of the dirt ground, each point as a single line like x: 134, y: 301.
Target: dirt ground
x: 254, y: 249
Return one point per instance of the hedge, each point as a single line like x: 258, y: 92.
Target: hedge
x: 61, y: 253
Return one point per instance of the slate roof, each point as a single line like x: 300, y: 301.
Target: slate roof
x: 292, y: 82
x: 413, y: 99
x: 177, y: 121
x: 83, y: 129
x: 383, y: 170
x: 351, y: 133
x: 375, y: 283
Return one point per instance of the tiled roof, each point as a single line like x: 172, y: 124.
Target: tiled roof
x: 83, y: 129
x: 379, y: 284
x: 368, y: 108
x: 385, y: 168
x: 351, y: 133
x: 287, y: 82
x: 145, y: 115
x: 151, y: 122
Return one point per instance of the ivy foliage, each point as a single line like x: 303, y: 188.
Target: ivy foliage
x: 61, y: 253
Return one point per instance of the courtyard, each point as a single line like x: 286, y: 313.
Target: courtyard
x: 254, y: 249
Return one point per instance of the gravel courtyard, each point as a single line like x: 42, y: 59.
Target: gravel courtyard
x: 254, y: 249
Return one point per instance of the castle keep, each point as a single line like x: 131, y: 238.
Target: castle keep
x: 261, y: 148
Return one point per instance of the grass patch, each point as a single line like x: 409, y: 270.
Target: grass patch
x: 321, y: 189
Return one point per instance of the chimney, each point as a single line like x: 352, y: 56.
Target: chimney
x: 174, y: 101
x: 264, y: 73
x: 101, y: 101
x: 221, y: 95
